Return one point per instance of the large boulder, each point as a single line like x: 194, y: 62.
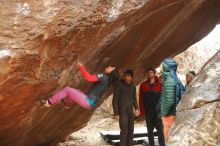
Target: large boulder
x: 40, y: 41
x: 198, y: 116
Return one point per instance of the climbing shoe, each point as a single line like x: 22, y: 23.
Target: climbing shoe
x: 45, y: 103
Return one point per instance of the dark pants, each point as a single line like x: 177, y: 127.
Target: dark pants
x: 154, y: 121
x: 126, y: 123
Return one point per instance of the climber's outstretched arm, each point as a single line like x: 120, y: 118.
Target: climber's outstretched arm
x: 86, y: 74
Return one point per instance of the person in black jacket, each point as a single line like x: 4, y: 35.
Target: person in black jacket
x: 124, y: 99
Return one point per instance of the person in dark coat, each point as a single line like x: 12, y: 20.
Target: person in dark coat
x: 124, y: 100
x: 149, y: 100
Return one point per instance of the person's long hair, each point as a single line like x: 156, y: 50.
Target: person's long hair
x: 114, y: 76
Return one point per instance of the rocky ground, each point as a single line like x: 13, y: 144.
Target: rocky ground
x: 89, y: 136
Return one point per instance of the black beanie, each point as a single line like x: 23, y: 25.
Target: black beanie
x: 129, y: 72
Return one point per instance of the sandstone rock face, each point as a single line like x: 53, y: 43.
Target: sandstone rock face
x: 195, y: 57
x: 40, y: 42
x: 198, y: 116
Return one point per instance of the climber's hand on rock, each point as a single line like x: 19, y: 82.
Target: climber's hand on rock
x: 137, y: 113
x: 116, y: 117
x: 79, y: 63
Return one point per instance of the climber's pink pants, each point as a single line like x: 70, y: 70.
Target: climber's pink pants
x: 71, y: 95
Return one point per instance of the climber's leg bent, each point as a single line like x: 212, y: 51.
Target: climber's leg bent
x: 71, y: 94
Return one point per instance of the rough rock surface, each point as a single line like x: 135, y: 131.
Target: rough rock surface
x: 198, y: 117
x: 40, y: 42
x: 195, y: 57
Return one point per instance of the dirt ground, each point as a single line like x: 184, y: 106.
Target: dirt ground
x: 90, y: 136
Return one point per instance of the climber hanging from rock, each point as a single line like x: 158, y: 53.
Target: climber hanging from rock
x: 101, y: 82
